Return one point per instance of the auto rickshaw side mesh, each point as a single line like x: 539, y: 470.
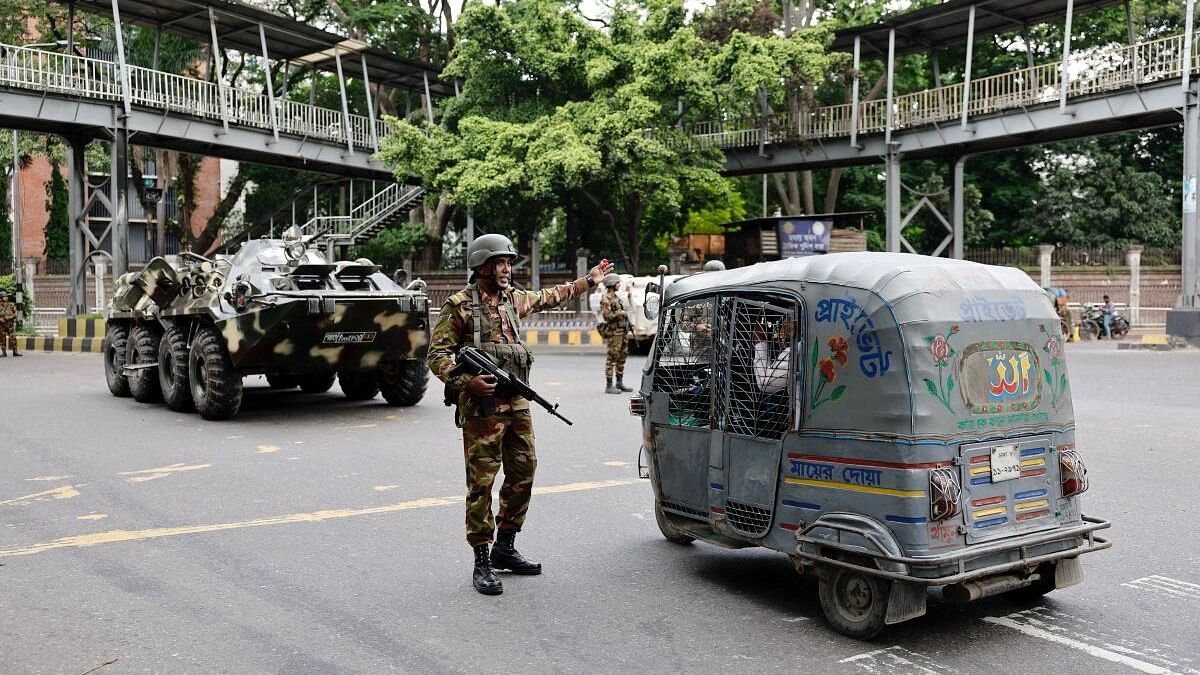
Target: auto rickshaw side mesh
x: 685, y: 363
x: 754, y: 366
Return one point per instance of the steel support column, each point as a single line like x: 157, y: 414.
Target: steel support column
x: 220, y: 77
x: 959, y: 215
x: 1064, y: 78
x: 262, y: 39
x: 119, y: 191
x: 124, y: 68
x: 1191, y: 167
x: 891, y: 76
x: 892, y: 202
x: 966, y: 95
x: 337, y: 57
x: 853, y: 101
x: 370, y: 104
x: 76, y: 177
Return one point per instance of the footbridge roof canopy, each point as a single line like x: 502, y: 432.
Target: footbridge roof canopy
x: 946, y: 24
x: 287, y: 39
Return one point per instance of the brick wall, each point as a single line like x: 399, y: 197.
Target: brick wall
x: 33, y: 208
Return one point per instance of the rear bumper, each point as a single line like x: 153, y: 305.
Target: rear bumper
x: 974, y: 562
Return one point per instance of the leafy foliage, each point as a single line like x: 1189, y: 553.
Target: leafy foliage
x: 58, y: 222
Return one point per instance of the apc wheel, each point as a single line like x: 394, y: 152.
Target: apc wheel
x: 358, y: 386
x: 316, y: 383
x: 854, y: 603
x: 281, y: 381
x: 403, y: 383
x: 670, y: 532
x: 216, y: 386
x: 173, y: 371
x: 116, y: 343
x: 143, y: 349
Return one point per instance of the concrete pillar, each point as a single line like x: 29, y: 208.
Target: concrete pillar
x: 959, y: 215
x: 30, y: 271
x: 1133, y: 258
x: 581, y: 270
x: 101, y: 270
x: 1183, y: 321
x: 1045, y: 253
x: 78, y: 240
x: 892, y: 203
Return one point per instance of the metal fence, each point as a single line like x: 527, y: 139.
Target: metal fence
x: 1075, y: 256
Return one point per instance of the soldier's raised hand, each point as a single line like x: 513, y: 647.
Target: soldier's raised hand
x: 601, y: 270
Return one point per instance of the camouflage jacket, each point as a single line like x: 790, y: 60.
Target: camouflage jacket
x: 616, y: 318
x: 454, y: 329
x: 8, y: 312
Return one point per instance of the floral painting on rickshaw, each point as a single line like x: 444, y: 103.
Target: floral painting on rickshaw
x: 1056, y: 380
x: 825, y: 370
x: 942, y: 351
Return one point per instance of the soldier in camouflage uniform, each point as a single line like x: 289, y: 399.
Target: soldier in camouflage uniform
x: 8, y: 325
x: 486, y: 314
x: 616, y: 335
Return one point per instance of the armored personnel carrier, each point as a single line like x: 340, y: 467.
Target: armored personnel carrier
x: 187, y: 332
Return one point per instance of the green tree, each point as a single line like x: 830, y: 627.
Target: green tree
x: 58, y: 221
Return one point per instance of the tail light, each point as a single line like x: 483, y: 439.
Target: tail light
x: 1072, y: 473
x: 944, y: 494
x: 637, y: 406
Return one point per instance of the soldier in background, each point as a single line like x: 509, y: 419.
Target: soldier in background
x: 616, y: 335
x: 486, y: 315
x: 8, y: 324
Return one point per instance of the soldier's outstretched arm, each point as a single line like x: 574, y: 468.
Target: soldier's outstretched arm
x: 528, y: 302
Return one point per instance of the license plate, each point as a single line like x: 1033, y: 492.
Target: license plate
x: 1006, y: 463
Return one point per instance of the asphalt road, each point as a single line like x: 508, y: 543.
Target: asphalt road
x: 314, y: 535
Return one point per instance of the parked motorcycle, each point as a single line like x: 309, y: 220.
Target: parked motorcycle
x: 1091, y: 323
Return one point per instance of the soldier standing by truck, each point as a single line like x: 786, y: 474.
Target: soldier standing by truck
x: 8, y: 325
x: 616, y: 335
x: 486, y: 314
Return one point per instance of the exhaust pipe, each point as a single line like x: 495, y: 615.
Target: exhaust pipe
x: 970, y: 591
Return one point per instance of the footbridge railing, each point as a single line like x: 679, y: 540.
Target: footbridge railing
x: 78, y: 76
x: 1089, y: 74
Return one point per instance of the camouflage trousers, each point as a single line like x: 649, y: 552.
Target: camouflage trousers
x: 504, y: 439
x: 618, y: 350
x: 8, y: 336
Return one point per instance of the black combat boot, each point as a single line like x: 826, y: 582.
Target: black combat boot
x: 610, y: 389
x: 506, y: 557
x: 621, y: 385
x: 484, y: 577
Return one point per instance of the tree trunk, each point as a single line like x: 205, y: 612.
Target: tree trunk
x: 208, y: 237
x: 435, y: 219
x: 633, y: 222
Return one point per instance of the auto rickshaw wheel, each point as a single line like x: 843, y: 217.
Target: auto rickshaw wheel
x: 670, y: 532
x: 854, y: 603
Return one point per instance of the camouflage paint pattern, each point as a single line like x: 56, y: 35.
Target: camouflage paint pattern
x: 505, y: 438
x: 616, y: 329
x: 8, y: 324
x: 489, y: 443
x: 299, y: 316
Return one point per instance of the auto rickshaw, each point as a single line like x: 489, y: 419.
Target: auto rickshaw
x: 891, y: 422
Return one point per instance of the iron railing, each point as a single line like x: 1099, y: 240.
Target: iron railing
x: 1089, y: 73
x: 52, y: 72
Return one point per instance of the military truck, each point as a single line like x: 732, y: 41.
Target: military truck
x: 185, y: 332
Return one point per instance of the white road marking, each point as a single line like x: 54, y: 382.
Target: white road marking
x: 1128, y: 649
x: 1156, y: 583
x: 897, y: 660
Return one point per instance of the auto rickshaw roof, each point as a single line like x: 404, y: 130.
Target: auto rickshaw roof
x: 894, y: 277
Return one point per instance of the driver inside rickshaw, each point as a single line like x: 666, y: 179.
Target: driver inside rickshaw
x: 770, y: 371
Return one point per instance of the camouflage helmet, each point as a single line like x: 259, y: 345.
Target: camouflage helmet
x: 612, y: 280
x: 489, y: 246
x: 713, y: 265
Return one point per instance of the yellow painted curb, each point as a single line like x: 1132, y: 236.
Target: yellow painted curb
x: 1154, y: 340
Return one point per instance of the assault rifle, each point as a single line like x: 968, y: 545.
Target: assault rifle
x: 470, y: 361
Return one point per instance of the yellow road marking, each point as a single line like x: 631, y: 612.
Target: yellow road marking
x: 92, y: 516
x: 384, y: 488
x: 116, y: 536
x: 64, y: 492
x: 48, y: 478
x: 264, y: 449
x: 143, y: 475
x: 616, y: 463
